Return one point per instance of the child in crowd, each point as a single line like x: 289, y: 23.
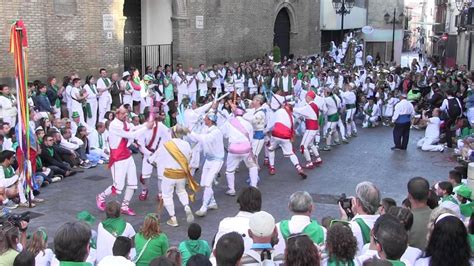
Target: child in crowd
x: 194, y: 245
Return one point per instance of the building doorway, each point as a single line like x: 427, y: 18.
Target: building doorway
x: 132, y: 34
x: 282, y: 32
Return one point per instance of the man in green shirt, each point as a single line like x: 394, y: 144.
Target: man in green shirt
x: 418, y: 190
x: 71, y: 244
x: 194, y: 245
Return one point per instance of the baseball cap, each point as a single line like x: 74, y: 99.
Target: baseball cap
x: 262, y: 224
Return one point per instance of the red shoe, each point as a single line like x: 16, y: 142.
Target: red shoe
x: 318, y: 162
x: 127, y: 211
x: 301, y: 172
x: 309, y: 165
x: 143, y: 195
x: 272, y: 170
x: 266, y: 162
x: 100, y: 203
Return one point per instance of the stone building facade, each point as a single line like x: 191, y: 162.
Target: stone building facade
x: 84, y: 35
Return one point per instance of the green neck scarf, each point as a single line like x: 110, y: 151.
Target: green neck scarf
x: 115, y: 226
x: 57, y: 102
x: 43, y: 94
x: 8, y: 171
x: 106, y: 81
x: 9, y: 96
x: 92, y: 86
x: 101, y: 141
x: 50, y: 151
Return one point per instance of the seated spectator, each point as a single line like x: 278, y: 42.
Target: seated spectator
x: 77, y: 122
x: 174, y: 255
x: 50, y: 157
x: 431, y: 139
x: 435, y: 213
x: 71, y: 243
x: 386, y: 204
x: 150, y: 242
x: 444, y: 190
x: 418, y: 190
x: 455, y: 179
x: 198, y: 260
x: 250, y: 201
x: 364, y: 206
x: 341, y: 245
x: 38, y: 246
x: 371, y: 113
x: 64, y: 149
x: 194, y: 245
x: 162, y: 261
x: 464, y: 198
x: 302, y: 206
x: 77, y: 146
x: 98, y: 142
x: 85, y: 147
x: 300, y: 250
x: 25, y: 258
x: 229, y: 249
x: 114, y: 225
x: 470, y: 229
x: 12, y: 240
x: 448, y: 243
x: 121, y: 253
x: 264, y: 234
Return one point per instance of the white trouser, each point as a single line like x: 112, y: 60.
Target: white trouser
x: 124, y: 171
x: 350, y: 124
x: 307, y: 143
x: 210, y: 170
x: 329, y: 131
x: 203, y: 91
x: 195, y: 157
x: 168, y: 186
x: 92, y: 121
x: 147, y: 168
x: 286, y: 147
x: 470, y: 115
x: 370, y: 119
x: 100, y: 152
x: 180, y: 97
x: 233, y: 161
x: 104, y: 105
x: 429, y: 144
x: 145, y: 102
x: 342, y: 129
x: 257, y: 145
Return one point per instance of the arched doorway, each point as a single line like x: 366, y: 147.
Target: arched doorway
x: 281, y: 31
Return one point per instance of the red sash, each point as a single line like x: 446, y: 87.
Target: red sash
x: 281, y: 131
x: 122, y: 152
x: 310, y: 123
x: 150, y: 144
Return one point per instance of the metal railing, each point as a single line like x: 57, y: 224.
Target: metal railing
x: 140, y: 56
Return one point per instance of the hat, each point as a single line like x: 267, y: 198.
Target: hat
x: 212, y: 116
x: 85, y: 216
x: 262, y: 224
x: 464, y: 191
x: 311, y: 94
x: 126, y: 73
x: 39, y: 128
x: 75, y: 114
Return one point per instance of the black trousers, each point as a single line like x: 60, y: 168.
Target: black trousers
x: 449, y: 134
x: 401, y: 134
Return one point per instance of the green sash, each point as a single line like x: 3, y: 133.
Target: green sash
x: 115, y: 226
x: 8, y: 171
x: 106, y: 81
x: 313, y: 230
x: 93, y: 88
x: 101, y: 141
x: 334, y: 117
x: 365, y: 229
x: 57, y: 102
x: 449, y: 198
x: 88, y: 110
x: 350, y: 106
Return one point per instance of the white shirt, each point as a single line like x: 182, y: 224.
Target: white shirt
x: 332, y: 103
x: 404, y: 107
x: 409, y: 257
x: 182, y: 87
x: 277, y: 101
x: 239, y: 224
x: 165, y: 160
x: 348, y: 97
x: 296, y: 224
x: 6, y: 182
x: 233, y: 134
x: 375, y: 109
x: 203, y: 78
x: 192, y: 87
x: 432, y: 129
x: 101, y: 86
x: 256, y: 117
x: 117, y: 132
x: 163, y: 134
x: 91, y: 95
x: 44, y: 258
x: 115, y: 260
x: 369, y: 220
x: 105, y: 240
x: 217, y: 81
x: 306, y: 111
x: 93, y: 138
x: 239, y: 81
x: 212, y: 142
x: 8, y: 107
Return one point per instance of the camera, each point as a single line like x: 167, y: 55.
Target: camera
x: 15, y: 219
x: 346, y: 204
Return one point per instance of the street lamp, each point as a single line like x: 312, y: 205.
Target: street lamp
x: 461, y: 4
x: 343, y: 7
x: 388, y: 19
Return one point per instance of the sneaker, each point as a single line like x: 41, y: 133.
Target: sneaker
x: 85, y: 165
x: 309, y: 165
x: 100, y: 202
x: 26, y: 205
x: 337, y: 143
x: 318, y: 162
x: 189, y: 214
x: 200, y: 213
x: 272, y: 170
x: 56, y: 179
x: 127, y: 211
x: 345, y: 141
x: 10, y: 205
x: 230, y: 192
x: 143, y: 195
x: 100, y: 161
x: 172, y: 222
x: 37, y: 200
x: 326, y: 148
x: 213, y: 207
x: 354, y: 134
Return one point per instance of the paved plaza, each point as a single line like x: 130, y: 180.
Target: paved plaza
x: 367, y: 157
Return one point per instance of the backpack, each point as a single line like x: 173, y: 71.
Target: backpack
x: 454, y: 108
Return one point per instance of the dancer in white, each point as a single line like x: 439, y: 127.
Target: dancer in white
x: 257, y: 117
x: 349, y: 102
x: 121, y: 162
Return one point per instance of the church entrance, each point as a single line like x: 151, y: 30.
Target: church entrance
x: 282, y: 32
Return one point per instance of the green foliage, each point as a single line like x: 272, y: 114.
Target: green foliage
x: 276, y: 54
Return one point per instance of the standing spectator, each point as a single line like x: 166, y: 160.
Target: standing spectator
x: 71, y: 243
x: 229, y: 249
x: 54, y: 95
x: 448, y: 243
x: 150, y: 242
x: 194, y: 245
x: 113, y: 226
x: 104, y: 87
x: 250, y: 201
x: 453, y: 109
x: 121, y: 253
x: 302, y: 206
x: 92, y: 103
x: 42, y: 101
x: 8, y: 106
x: 402, y: 119
x: 418, y: 190
x: 301, y: 251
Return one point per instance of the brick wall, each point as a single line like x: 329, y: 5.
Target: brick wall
x: 240, y: 30
x: 59, y: 44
